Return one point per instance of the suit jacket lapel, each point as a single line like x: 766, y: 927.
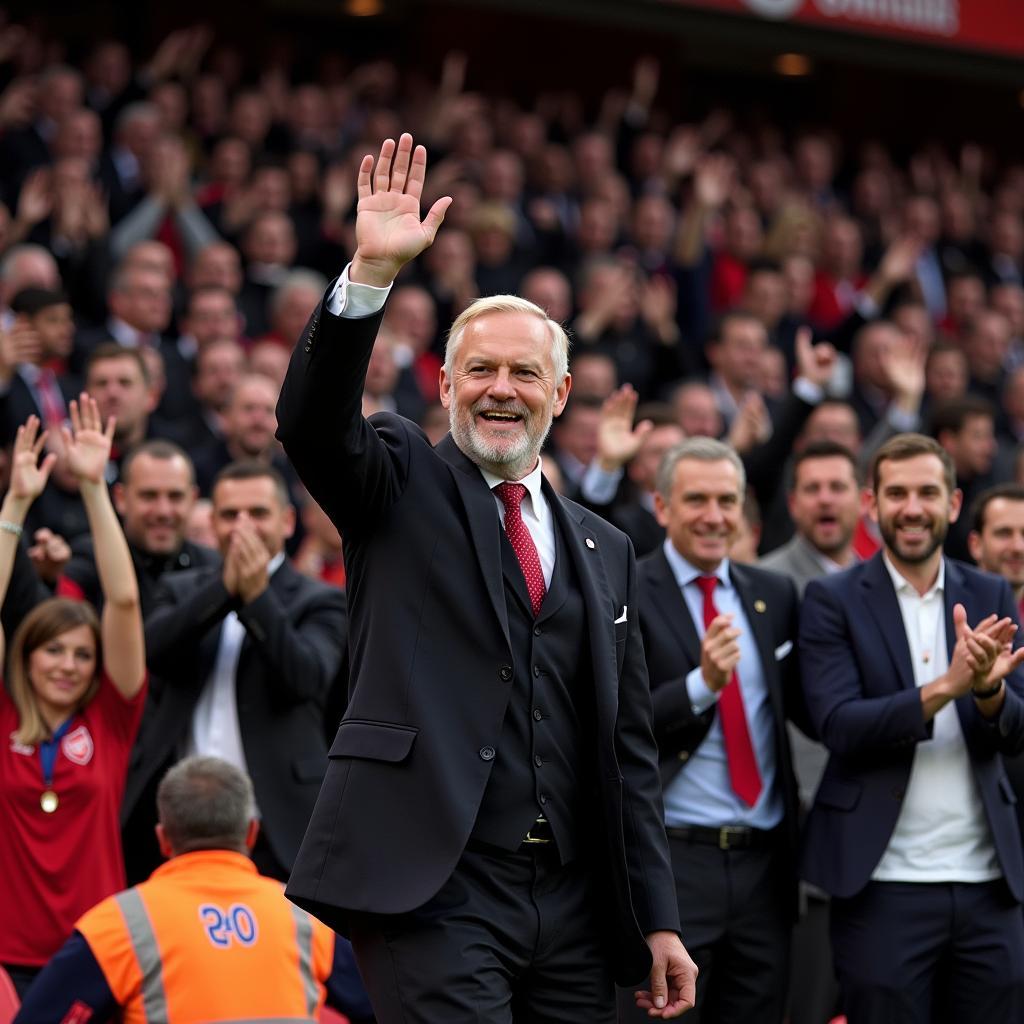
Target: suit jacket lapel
x: 484, y: 524
x: 672, y: 605
x: 597, y: 599
x: 760, y: 625
x: 884, y: 608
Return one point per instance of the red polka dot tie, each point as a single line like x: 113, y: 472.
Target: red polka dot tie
x: 739, y: 750
x: 511, y: 496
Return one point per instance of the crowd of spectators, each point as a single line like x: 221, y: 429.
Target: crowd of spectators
x: 167, y: 227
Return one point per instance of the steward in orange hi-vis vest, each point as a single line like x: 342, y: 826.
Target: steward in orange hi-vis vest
x: 209, y: 939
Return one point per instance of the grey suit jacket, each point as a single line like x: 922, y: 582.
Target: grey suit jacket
x: 795, y: 560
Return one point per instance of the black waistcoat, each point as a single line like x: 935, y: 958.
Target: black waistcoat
x: 545, y: 762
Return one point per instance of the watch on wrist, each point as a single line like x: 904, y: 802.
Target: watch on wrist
x: 985, y: 694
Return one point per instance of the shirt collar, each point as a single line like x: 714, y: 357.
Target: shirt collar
x: 686, y: 572
x: 532, y: 483
x: 275, y: 563
x: 904, y: 586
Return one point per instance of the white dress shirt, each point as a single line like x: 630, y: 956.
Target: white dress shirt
x: 941, y: 834
x: 216, y: 731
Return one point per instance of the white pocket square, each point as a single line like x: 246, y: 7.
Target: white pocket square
x: 783, y: 649
x: 622, y: 617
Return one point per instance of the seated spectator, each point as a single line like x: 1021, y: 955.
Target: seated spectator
x: 219, y: 366
x: 291, y: 304
x: 244, y: 658
x: 411, y: 318
x: 72, y: 708
x: 40, y: 339
x: 269, y: 249
x: 110, y: 968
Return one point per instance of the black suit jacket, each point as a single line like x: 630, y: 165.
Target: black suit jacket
x: 431, y: 663
x: 860, y: 689
x: 17, y: 403
x: 294, y: 645
x: 672, y: 645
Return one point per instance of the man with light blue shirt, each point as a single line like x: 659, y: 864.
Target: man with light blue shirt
x: 719, y: 640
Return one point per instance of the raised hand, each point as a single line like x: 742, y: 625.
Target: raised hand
x: 49, y: 553
x: 389, y: 232
x: 617, y: 439
x: 904, y: 365
x: 28, y: 475
x: 814, y: 362
x: 87, y: 445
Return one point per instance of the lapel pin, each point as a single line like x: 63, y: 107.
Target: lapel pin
x: 760, y: 606
x: 590, y: 544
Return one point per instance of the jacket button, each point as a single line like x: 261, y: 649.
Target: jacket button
x: 505, y: 672
x: 307, y: 347
x: 536, y: 670
x: 537, y: 631
x: 538, y: 760
x: 684, y: 755
x: 487, y: 753
x: 538, y: 715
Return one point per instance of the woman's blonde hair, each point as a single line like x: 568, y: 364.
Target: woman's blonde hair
x: 45, y: 621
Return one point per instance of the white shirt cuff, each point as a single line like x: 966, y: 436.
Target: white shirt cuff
x: 352, y: 300
x: 701, y: 695
x: 902, y: 421
x: 598, y: 486
x: 810, y: 392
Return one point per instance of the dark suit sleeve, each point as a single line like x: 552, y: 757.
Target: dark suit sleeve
x: 305, y: 655
x: 343, y: 462
x: 179, y: 620
x: 70, y: 987
x: 789, y: 669
x: 848, y: 722
x: 650, y: 871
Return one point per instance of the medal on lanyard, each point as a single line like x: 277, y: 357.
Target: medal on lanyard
x: 48, y: 799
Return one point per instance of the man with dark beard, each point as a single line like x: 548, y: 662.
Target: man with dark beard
x: 913, y: 831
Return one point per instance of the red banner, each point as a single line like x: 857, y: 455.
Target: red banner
x: 989, y: 25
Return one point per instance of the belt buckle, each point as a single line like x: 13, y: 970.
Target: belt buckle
x: 724, y: 834
x: 536, y: 840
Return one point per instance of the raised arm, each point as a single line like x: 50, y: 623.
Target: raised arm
x: 28, y: 478
x: 88, y: 451
x: 341, y: 460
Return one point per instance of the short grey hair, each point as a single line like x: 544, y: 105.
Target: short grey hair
x: 300, y: 277
x: 703, y: 449
x: 508, y: 304
x: 205, y: 803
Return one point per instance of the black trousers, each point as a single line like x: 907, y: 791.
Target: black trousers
x: 922, y: 953
x: 735, y: 911
x: 510, y: 937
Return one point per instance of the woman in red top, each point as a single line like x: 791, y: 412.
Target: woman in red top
x: 68, y: 716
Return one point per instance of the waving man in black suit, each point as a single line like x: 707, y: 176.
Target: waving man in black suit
x: 489, y: 829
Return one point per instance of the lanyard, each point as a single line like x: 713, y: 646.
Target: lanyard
x: 48, y: 752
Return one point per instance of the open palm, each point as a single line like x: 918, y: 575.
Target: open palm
x: 28, y: 475
x: 87, y: 445
x: 389, y: 231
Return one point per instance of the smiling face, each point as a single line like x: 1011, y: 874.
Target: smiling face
x: 825, y: 503
x: 913, y: 507
x: 702, y: 513
x: 501, y: 393
x: 999, y: 548
x: 60, y: 671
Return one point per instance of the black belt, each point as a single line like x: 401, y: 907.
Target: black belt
x: 539, y: 838
x: 728, y: 837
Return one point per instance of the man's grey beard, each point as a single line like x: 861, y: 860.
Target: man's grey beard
x: 511, y: 461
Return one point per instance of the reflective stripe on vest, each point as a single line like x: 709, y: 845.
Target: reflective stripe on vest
x: 140, y: 931
x: 304, y: 940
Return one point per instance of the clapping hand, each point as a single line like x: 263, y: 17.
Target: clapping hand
x: 49, y: 553
x: 28, y: 475
x: 246, y: 564
x: 87, y: 445
x: 389, y: 232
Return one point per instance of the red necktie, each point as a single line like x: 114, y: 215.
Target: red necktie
x: 50, y: 399
x: 743, y: 771
x: 511, y: 496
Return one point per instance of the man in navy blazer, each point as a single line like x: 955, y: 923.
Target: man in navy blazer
x: 489, y: 828
x: 913, y: 831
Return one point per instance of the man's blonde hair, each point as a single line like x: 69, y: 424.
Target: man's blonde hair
x: 508, y: 304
